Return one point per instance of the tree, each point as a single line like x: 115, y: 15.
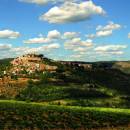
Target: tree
x: 44, y: 77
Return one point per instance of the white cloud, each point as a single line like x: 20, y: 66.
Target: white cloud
x: 54, y: 34
x: 117, y: 53
x: 76, y: 56
x: 77, y: 42
x: 9, y: 34
x: 72, y: 12
x: 49, y: 47
x: 5, y: 47
x: 103, y: 31
x: 43, y: 2
x: 111, y: 26
x: 78, y: 45
x: 17, y: 51
x: 70, y: 35
x: 39, y: 2
x: 110, y: 49
x: 37, y: 40
x: 79, y: 49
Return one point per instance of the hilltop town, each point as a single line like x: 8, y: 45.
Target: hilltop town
x: 22, y: 68
x: 31, y: 63
x: 36, y: 63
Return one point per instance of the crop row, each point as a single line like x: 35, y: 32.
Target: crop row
x: 15, y: 114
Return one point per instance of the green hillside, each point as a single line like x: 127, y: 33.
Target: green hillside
x: 71, y: 97
x: 22, y: 115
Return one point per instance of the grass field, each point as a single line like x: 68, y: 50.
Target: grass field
x: 21, y: 115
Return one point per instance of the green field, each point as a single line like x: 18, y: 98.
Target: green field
x: 19, y: 114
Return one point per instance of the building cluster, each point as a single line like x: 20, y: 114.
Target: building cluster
x: 30, y: 63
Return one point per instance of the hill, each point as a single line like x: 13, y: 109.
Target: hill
x: 37, y: 93
x: 103, y: 84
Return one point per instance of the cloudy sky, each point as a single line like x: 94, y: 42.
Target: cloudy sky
x: 82, y: 30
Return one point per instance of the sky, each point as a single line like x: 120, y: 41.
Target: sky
x: 76, y: 30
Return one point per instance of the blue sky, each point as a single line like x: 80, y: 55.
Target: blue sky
x: 86, y: 30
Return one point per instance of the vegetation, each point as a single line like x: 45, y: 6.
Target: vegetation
x: 14, y: 114
x: 4, y: 65
x: 71, y: 97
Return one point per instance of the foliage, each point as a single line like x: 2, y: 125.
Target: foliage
x: 45, y: 92
x: 4, y: 65
x: 33, y: 115
x: 44, y: 77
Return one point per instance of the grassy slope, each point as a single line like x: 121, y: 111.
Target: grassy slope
x: 16, y: 114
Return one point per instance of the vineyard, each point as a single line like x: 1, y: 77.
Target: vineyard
x: 21, y: 115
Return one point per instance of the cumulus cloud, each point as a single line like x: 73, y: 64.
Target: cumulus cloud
x: 9, y: 34
x: 107, y: 30
x: 39, y: 2
x: 70, y: 35
x: 74, y: 43
x: 37, y: 40
x: 70, y: 44
x: 79, y: 49
x: 51, y: 46
x: 76, y: 56
x: 111, y: 49
x: 103, y: 33
x: 44, y: 2
x: 42, y: 49
x: 16, y: 51
x: 5, y: 47
x: 54, y: 34
x: 110, y: 26
x: 78, y: 45
x: 72, y: 12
